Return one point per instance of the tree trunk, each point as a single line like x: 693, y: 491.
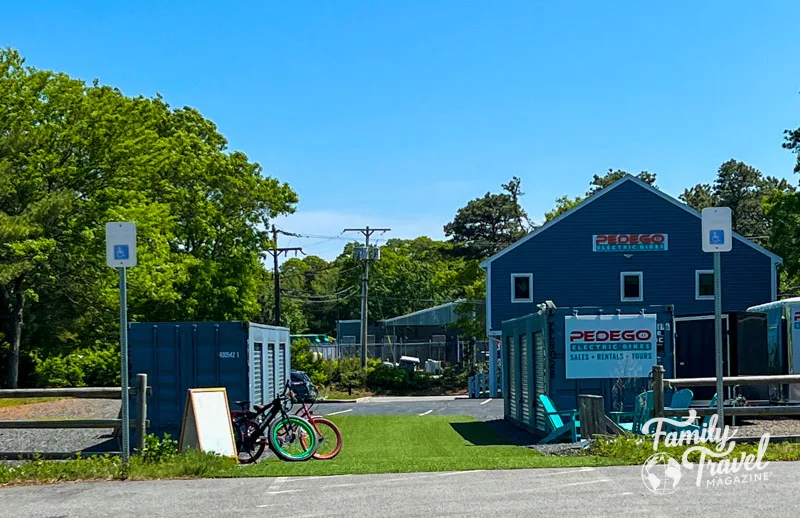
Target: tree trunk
x: 16, y: 335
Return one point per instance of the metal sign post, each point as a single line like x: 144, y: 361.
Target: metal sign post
x: 718, y: 237
x: 121, y: 254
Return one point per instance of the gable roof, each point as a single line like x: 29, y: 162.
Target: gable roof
x: 627, y: 178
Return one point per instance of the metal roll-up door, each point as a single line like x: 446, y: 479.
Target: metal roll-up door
x: 281, y: 367
x: 524, y: 399
x: 271, y: 371
x: 258, y: 373
x: 541, y: 377
x: 512, y: 378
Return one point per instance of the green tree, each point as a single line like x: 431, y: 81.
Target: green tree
x: 744, y: 189
x: 488, y: 224
x: 75, y: 156
x: 598, y: 183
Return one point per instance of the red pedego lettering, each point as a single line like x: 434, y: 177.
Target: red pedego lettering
x: 614, y: 335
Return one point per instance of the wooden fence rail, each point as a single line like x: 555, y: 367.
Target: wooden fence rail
x: 141, y: 391
x: 659, y: 383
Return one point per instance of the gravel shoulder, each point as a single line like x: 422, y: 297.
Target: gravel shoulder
x: 58, y: 440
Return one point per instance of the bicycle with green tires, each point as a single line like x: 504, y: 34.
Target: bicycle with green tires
x: 292, y: 438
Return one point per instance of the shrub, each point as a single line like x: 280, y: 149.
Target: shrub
x: 384, y: 377
x: 158, y: 450
x: 98, y: 367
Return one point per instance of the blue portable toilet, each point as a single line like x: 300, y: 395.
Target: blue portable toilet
x: 566, y: 352
x: 783, y: 345
x: 252, y: 361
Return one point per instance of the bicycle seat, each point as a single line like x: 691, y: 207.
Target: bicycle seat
x: 242, y: 404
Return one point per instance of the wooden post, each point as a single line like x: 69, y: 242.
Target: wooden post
x: 658, y: 391
x: 591, y: 412
x: 141, y: 410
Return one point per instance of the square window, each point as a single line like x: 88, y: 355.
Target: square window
x: 521, y: 287
x: 631, y: 286
x: 704, y: 285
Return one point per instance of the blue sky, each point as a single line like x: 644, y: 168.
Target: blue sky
x: 395, y: 114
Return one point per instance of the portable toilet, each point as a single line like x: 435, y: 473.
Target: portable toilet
x: 783, y: 345
x: 252, y: 361
x: 567, y: 352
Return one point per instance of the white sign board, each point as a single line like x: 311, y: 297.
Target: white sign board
x: 207, y: 422
x: 120, y: 244
x: 717, y: 229
x: 610, y: 346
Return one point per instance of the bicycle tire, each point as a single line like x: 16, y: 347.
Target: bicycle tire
x: 303, y: 427
x: 321, y: 422
x: 249, y: 441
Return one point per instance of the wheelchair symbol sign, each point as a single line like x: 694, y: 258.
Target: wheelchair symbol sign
x: 121, y: 252
x: 717, y: 237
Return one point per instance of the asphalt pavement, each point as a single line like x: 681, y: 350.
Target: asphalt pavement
x: 606, y: 491
x: 483, y: 409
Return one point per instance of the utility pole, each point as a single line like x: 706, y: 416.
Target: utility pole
x: 364, y: 287
x: 275, y: 252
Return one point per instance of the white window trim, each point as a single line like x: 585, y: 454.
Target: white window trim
x: 697, y: 295
x: 622, y: 276
x: 528, y: 276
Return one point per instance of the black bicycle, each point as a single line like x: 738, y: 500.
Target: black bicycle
x: 290, y: 437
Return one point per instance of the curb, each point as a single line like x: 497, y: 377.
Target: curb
x: 323, y: 401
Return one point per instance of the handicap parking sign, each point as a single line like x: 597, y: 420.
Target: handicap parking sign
x: 121, y: 252
x: 717, y: 237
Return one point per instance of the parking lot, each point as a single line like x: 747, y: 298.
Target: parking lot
x: 484, y: 409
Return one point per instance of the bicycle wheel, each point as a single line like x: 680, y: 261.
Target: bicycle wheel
x: 286, y: 435
x: 329, y: 438
x: 249, y: 440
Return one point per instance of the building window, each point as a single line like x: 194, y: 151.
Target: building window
x: 521, y: 287
x: 704, y: 284
x: 630, y: 287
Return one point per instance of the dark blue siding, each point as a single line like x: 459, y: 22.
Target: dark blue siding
x: 567, y: 271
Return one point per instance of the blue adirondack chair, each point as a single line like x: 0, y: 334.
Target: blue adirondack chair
x: 642, y: 411
x: 682, y: 399
x: 558, y: 426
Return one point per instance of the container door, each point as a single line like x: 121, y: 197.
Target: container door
x: 695, y: 351
x: 512, y: 382
x: 793, y: 350
x: 271, y: 371
x: 541, y: 377
x: 524, y: 399
x: 281, y: 367
x: 258, y: 374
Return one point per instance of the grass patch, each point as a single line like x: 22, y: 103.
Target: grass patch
x: 403, y: 443
x: 634, y: 450
x: 192, y: 464
x: 6, y: 402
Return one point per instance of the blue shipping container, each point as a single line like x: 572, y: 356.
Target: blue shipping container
x: 252, y: 361
x: 535, y: 362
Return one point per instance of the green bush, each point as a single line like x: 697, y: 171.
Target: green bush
x: 384, y: 377
x: 158, y: 450
x: 81, y: 368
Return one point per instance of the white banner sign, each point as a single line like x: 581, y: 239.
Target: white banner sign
x: 610, y: 346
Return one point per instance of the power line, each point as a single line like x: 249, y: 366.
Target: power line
x: 275, y: 252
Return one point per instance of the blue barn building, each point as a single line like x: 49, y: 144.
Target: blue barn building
x: 629, y: 244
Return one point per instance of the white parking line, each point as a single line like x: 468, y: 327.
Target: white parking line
x: 487, y: 401
x: 340, y: 412
x: 426, y: 413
